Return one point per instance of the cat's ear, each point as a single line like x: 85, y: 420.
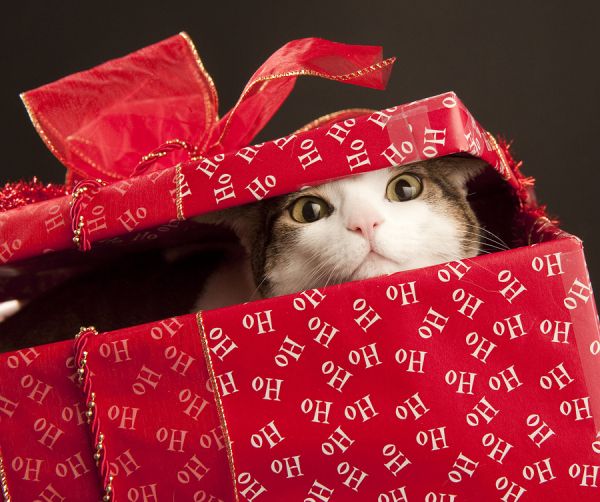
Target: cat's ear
x: 461, y: 170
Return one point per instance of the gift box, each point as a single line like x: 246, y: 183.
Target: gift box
x: 474, y: 379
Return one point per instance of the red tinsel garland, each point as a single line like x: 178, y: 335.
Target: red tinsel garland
x: 20, y: 193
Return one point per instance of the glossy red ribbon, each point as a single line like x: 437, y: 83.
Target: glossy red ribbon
x: 103, y: 122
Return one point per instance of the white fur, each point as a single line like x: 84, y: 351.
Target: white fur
x: 367, y: 235
x: 9, y: 308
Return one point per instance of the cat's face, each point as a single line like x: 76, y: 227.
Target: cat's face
x: 363, y: 226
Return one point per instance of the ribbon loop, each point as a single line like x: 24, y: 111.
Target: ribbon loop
x: 274, y: 80
x: 99, y: 123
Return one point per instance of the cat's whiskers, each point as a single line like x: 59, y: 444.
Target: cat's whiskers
x: 316, y: 281
x: 254, y: 294
x: 329, y: 277
x: 315, y: 256
x: 337, y: 276
x: 491, y: 234
x: 485, y: 244
x: 333, y: 277
x: 485, y: 240
x: 311, y: 268
x: 432, y: 231
x: 317, y: 273
x: 328, y: 267
x: 491, y: 237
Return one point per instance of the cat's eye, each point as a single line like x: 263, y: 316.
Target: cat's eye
x: 308, y: 209
x: 404, y: 187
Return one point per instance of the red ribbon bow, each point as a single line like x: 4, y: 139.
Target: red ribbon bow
x: 99, y: 123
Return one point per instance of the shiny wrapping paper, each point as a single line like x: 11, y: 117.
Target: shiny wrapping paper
x: 472, y: 380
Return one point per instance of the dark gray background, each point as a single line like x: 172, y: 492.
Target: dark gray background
x: 527, y: 70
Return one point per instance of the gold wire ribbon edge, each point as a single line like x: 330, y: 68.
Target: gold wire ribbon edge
x: 500, y: 154
x: 178, y: 196
x: 211, y: 103
x: 298, y: 73
x: 218, y: 402
x: 4, y: 482
x: 42, y: 133
x: 84, y: 381
x: 36, y: 120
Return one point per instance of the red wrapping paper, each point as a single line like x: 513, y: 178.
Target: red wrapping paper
x: 159, y: 99
x: 432, y: 127
x: 45, y: 446
x: 163, y: 437
x: 508, y: 342
x: 100, y: 122
x: 460, y: 381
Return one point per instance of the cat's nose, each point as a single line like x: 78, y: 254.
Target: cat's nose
x: 365, y: 224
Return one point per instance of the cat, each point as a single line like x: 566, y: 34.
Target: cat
x: 354, y: 228
x: 367, y: 225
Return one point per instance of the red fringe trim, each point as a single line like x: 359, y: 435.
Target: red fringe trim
x: 20, y: 193
x: 531, y: 213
